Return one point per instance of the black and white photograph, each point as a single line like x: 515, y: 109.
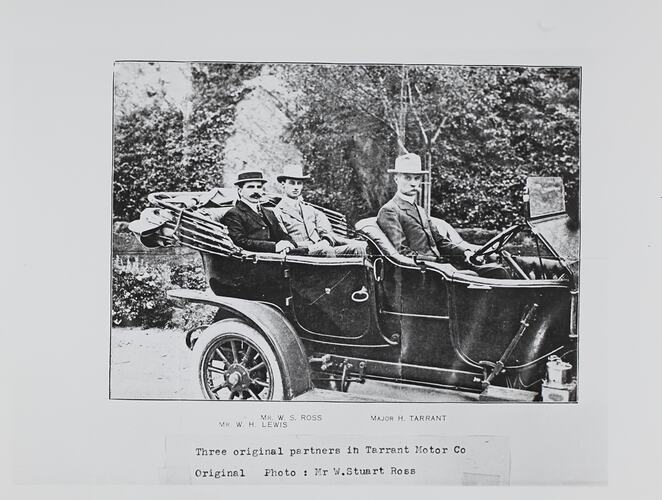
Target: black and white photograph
x: 334, y: 232
x: 269, y: 248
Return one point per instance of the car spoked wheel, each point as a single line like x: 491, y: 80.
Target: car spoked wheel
x: 237, y: 363
x: 235, y: 368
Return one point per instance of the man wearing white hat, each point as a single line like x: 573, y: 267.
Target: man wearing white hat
x: 307, y: 226
x: 411, y: 231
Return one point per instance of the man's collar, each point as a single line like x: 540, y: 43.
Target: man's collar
x: 411, y: 199
x: 253, y: 206
x: 291, y: 202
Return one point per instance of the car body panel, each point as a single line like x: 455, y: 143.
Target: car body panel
x: 390, y: 317
x: 272, y: 324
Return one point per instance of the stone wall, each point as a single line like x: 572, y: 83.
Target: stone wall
x: 127, y: 251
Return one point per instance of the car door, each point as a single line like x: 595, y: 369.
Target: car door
x: 413, y: 309
x: 331, y: 299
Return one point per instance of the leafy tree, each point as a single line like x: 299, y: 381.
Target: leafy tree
x: 217, y: 89
x: 481, y: 131
x: 164, y: 147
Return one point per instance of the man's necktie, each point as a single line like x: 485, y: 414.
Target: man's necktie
x: 423, y: 217
x: 303, y: 219
x: 264, y: 218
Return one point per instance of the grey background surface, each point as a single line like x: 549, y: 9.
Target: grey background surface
x: 61, y: 429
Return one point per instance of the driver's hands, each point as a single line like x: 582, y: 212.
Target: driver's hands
x: 471, y: 259
x: 283, y: 246
x: 492, y: 258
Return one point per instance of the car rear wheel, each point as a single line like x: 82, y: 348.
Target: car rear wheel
x: 235, y: 362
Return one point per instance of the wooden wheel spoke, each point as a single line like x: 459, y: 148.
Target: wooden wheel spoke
x: 215, y: 369
x: 219, y: 387
x: 247, y: 354
x: 257, y: 367
x: 235, y: 354
x: 222, y: 356
x: 234, y: 366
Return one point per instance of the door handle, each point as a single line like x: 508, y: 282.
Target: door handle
x: 360, y: 295
x: 378, y: 269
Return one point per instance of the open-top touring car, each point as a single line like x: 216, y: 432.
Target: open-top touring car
x: 288, y: 322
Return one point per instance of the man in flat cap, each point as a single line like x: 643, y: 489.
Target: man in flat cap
x: 411, y: 231
x: 251, y: 226
x: 308, y: 226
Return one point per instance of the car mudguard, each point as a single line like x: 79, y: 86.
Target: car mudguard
x: 276, y: 329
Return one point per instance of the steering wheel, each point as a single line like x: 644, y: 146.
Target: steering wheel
x: 496, y: 244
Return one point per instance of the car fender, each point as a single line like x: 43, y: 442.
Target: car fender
x: 275, y: 327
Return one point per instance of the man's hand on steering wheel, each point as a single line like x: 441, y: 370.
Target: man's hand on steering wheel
x: 496, y: 244
x: 471, y: 258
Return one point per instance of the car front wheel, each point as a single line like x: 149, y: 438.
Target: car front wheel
x: 235, y: 362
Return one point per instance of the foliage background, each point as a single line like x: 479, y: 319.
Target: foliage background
x: 165, y: 144
x: 484, y: 129
x: 139, y: 295
x: 190, y: 126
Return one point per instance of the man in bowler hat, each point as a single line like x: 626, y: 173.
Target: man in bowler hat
x: 411, y: 231
x: 251, y: 226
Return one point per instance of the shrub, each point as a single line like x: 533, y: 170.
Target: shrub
x: 188, y: 275
x: 191, y: 276
x: 192, y: 315
x: 139, y: 295
x: 140, y: 299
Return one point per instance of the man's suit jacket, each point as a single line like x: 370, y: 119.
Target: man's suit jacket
x: 305, y: 224
x: 251, y: 231
x: 412, y: 233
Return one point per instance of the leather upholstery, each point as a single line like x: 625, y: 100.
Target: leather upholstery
x: 215, y: 214
x: 370, y: 228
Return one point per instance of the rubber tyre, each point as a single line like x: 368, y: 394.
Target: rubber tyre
x: 223, y: 334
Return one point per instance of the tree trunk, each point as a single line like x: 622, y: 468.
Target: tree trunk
x: 425, y: 196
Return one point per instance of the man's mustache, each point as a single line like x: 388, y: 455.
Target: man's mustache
x: 255, y: 196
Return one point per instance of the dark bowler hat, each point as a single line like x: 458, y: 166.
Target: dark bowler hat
x: 249, y: 176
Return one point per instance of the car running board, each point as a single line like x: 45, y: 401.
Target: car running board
x: 497, y: 393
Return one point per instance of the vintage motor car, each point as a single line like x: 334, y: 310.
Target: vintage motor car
x: 287, y: 323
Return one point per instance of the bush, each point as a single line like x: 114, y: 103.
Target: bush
x: 140, y: 298
x: 192, y: 315
x: 188, y: 276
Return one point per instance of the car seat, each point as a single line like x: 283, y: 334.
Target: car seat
x: 371, y: 229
